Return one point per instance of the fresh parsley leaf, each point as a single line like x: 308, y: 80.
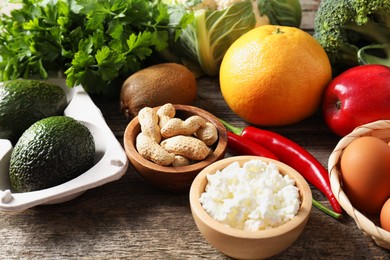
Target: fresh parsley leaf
x: 109, y: 63
x: 96, y: 43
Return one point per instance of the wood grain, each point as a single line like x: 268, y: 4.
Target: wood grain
x: 129, y: 219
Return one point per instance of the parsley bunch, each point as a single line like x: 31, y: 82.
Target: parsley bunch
x: 95, y: 43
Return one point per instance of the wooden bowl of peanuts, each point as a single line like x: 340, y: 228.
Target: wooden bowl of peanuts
x: 170, y: 144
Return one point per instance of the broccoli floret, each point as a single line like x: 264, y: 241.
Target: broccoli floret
x: 343, y: 27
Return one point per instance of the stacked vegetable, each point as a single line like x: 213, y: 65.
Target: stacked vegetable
x: 100, y: 43
x: 217, y: 24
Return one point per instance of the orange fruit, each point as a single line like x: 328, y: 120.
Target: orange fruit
x: 274, y: 75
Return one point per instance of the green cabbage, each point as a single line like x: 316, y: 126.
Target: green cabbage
x: 203, y: 43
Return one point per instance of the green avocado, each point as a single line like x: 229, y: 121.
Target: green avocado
x: 24, y: 101
x: 50, y: 152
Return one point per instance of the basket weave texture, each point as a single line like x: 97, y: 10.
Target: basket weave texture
x: 380, y: 129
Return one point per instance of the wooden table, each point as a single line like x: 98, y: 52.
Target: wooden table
x: 129, y: 219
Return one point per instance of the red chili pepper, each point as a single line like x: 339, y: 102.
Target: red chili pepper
x: 244, y: 146
x: 293, y: 155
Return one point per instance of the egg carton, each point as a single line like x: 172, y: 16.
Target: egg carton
x: 379, y: 129
x: 110, y: 162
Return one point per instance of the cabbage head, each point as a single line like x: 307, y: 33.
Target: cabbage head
x: 216, y: 24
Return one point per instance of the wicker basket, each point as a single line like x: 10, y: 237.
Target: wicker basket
x: 380, y: 129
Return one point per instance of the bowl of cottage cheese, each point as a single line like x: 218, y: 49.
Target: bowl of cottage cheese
x: 250, y: 207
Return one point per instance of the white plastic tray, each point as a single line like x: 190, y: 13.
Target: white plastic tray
x: 110, y: 159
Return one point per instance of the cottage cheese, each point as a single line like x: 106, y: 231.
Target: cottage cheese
x: 253, y: 197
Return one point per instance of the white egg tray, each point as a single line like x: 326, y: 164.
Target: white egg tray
x: 110, y: 158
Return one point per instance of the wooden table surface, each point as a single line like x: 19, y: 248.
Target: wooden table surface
x: 129, y: 219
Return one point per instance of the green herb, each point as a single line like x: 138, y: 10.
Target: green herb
x: 95, y: 43
x: 324, y: 209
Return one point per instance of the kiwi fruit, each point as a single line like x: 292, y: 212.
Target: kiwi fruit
x: 157, y: 85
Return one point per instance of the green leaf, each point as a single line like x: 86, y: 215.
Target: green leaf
x: 85, y: 45
x: 109, y: 63
x: 375, y: 54
x: 139, y: 45
x: 96, y: 13
x: 160, y: 39
x: 42, y: 70
x: 32, y: 25
x: 49, y: 50
x: 115, y: 29
x: 162, y: 15
x: 83, y: 60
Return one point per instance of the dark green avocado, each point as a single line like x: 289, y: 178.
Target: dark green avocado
x: 50, y: 152
x: 24, y: 101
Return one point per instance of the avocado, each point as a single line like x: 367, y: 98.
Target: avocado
x: 50, y: 152
x: 25, y: 101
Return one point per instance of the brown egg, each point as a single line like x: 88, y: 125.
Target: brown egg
x: 385, y: 216
x: 365, y: 170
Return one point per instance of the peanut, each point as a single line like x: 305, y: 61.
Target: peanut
x: 152, y: 151
x: 148, y: 120
x: 165, y: 113
x: 187, y: 146
x: 176, y: 126
x: 180, y: 161
x: 208, y: 134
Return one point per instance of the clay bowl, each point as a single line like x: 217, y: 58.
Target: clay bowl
x: 170, y: 178
x: 243, y: 244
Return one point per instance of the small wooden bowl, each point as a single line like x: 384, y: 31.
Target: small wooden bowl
x: 242, y: 244
x: 380, y: 129
x: 168, y: 177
